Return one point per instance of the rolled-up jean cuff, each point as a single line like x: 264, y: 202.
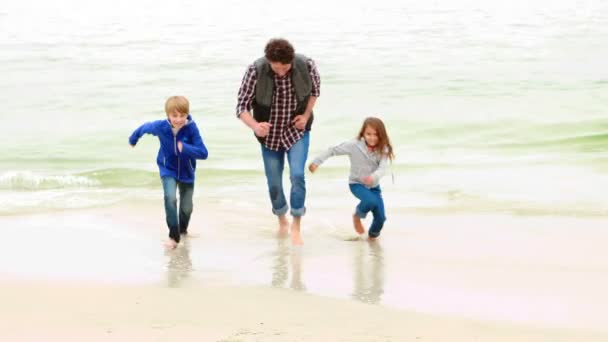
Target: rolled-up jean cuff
x: 298, y: 212
x: 280, y: 212
x: 360, y: 214
x: 373, y: 234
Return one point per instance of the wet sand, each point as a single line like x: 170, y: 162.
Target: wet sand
x: 76, y: 274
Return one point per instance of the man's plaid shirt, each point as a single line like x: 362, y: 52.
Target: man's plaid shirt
x: 283, y: 134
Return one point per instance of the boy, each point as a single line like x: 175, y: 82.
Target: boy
x: 180, y: 145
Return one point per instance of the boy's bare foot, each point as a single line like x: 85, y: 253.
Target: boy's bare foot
x: 283, y: 227
x: 358, y: 224
x: 296, y: 237
x: 171, y: 244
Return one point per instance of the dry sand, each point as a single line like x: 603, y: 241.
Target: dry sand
x: 85, y: 312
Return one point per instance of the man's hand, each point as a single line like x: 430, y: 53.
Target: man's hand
x: 262, y: 129
x: 312, y: 167
x: 299, y: 121
x: 368, y: 180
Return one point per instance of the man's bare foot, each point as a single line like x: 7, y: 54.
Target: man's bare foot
x: 283, y: 227
x: 372, y: 239
x: 171, y: 244
x: 358, y: 225
x: 296, y: 236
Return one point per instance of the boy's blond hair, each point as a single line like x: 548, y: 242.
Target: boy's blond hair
x: 179, y: 103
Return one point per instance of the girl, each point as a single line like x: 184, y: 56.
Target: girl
x: 369, y: 154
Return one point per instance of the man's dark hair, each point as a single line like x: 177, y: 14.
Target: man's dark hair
x: 279, y: 50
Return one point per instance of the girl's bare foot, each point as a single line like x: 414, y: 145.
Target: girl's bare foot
x: 296, y: 237
x: 358, y: 225
x: 170, y: 244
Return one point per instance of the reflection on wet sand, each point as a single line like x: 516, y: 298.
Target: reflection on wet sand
x: 368, y: 268
x: 282, y: 266
x: 179, y: 265
x: 296, y: 269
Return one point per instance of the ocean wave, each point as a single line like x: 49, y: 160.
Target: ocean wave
x: 520, y: 191
x: 32, y: 181
x: 26, y: 180
x: 109, y: 178
x: 22, y: 202
x: 591, y: 142
x: 584, y: 135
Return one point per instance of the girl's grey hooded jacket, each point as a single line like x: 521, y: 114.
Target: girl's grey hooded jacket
x: 363, y: 163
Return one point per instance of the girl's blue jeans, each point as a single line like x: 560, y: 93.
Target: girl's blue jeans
x: 177, y: 223
x: 274, y: 163
x: 371, y: 200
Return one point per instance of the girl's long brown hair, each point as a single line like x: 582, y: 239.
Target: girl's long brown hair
x: 384, y: 143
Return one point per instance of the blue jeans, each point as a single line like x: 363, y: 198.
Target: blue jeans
x: 178, y: 224
x: 371, y: 200
x: 274, y: 162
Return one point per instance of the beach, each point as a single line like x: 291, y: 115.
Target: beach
x: 495, y: 201
x: 103, y: 274
x: 73, y: 312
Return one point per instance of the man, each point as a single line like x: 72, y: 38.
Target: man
x: 281, y: 89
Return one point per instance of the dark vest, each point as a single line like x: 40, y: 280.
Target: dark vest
x: 264, y: 89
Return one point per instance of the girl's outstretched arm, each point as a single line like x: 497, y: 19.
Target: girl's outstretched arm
x: 342, y: 149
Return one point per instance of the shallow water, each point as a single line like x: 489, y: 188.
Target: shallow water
x: 491, y: 106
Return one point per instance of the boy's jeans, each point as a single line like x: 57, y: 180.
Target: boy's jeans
x: 177, y: 224
x: 371, y: 200
x: 274, y: 162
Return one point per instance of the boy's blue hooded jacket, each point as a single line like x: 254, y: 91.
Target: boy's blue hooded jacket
x: 171, y: 162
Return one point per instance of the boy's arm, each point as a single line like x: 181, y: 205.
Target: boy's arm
x: 147, y: 128
x: 196, y: 149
